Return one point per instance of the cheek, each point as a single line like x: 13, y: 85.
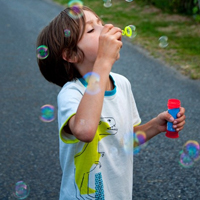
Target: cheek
x: 94, y: 44
x: 91, y: 52
x: 89, y: 45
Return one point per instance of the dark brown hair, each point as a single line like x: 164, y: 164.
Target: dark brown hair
x: 54, y: 68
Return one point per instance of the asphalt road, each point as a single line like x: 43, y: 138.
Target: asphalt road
x: 29, y: 147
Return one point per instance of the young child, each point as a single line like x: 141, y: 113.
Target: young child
x: 94, y: 128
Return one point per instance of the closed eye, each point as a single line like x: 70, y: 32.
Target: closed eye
x: 90, y: 31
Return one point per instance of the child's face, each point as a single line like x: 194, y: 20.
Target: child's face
x: 89, y: 42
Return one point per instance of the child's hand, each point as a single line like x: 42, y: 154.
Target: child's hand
x: 110, y: 43
x: 163, y: 118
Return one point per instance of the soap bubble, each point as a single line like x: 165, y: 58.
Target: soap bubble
x: 92, y: 79
x: 21, y: 190
x: 127, y: 142
x: 129, y: 31
x: 42, y: 52
x: 141, y: 137
x: 107, y: 3
x: 163, y: 41
x: 75, y: 10
x: 134, y: 142
x: 128, y: 0
x: 139, y: 141
x: 190, y: 153
x: 191, y: 148
x: 185, y: 160
x: 67, y: 32
x: 47, y: 113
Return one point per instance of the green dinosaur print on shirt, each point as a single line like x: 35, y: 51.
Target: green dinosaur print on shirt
x: 88, y: 159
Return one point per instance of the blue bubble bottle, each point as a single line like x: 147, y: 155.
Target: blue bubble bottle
x: 173, y: 109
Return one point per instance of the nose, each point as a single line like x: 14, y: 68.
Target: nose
x: 100, y: 27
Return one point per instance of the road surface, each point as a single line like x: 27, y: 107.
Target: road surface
x: 29, y: 147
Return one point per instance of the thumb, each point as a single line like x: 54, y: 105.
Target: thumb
x: 166, y: 116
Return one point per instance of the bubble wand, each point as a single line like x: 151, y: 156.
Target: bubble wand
x: 129, y: 31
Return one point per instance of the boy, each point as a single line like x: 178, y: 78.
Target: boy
x: 95, y: 129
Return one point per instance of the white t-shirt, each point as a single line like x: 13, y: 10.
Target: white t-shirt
x: 103, y: 168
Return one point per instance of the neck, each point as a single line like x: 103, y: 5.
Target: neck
x: 84, y: 67
x: 84, y: 70
x: 109, y: 86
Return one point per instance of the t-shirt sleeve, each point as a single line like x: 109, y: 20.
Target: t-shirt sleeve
x: 68, y: 102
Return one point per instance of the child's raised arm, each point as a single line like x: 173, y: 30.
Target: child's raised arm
x: 84, y: 123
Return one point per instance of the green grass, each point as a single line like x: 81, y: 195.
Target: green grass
x: 183, y: 51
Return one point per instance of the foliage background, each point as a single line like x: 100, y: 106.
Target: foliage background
x: 188, y: 7
x: 179, y: 20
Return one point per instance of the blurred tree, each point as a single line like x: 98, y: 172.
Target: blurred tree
x: 196, y: 10
x: 181, y: 6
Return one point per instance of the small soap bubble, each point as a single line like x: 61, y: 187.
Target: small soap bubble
x: 67, y: 32
x: 128, y: 0
x: 185, y: 160
x: 191, y: 148
x: 163, y: 41
x: 128, y: 143
x: 92, y: 79
x: 139, y: 141
x: 75, y: 10
x: 136, y: 144
x: 107, y: 3
x: 133, y: 143
x: 47, y: 113
x: 21, y: 190
x: 42, y: 52
x: 129, y: 31
x: 189, y: 154
x: 141, y: 137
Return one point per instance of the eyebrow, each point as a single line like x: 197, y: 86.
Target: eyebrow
x: 92, y: 21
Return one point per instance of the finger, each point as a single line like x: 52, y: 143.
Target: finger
x: 166, y: 116
x: 180, y: 119
x: 115, y: 33
x: 118, y: 36
x: 106, y: 28
x: 119, y: 44
x: 118, y: 56
x: 179, y: 129
x: 179, y: 125
x: 181, y: 112
x: 115, y: 30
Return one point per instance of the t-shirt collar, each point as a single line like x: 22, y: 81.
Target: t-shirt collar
x: 107, y: 93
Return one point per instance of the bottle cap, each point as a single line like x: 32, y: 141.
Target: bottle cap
x: 173, y: 103
x: 172, y: 134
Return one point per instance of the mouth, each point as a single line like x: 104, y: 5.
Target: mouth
x: 112, y: 128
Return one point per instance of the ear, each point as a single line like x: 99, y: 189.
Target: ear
x: 72, y: 59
